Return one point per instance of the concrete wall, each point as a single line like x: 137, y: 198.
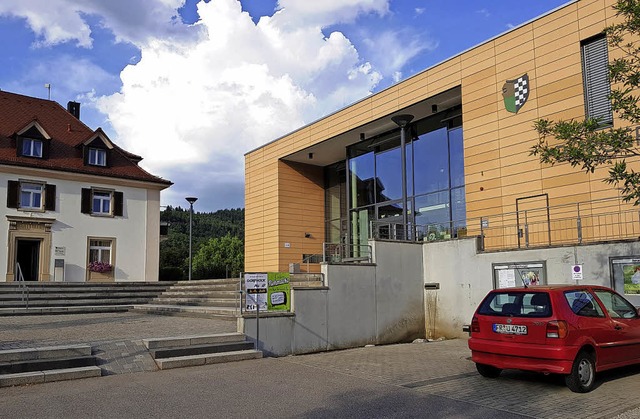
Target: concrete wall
x: 368, y: 304
x: 466, y: 276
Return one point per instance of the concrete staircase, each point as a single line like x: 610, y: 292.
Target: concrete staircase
x: 202, y: 298
x: 212, y: 297
x: 69, y: 297
x: 46, y: 364
x: 191, y: 351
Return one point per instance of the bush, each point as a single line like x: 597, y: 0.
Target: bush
x: 171, y: 273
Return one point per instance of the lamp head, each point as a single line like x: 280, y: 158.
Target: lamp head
x: 402, y: 120
x: 191, y: 199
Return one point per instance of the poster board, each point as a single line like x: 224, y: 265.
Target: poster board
x: 508, y: 275
x: 268, y: 291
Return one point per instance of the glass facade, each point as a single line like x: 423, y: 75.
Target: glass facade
x: 372, y: 186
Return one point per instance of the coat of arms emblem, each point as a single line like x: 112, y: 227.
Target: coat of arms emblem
x: 515, y: 93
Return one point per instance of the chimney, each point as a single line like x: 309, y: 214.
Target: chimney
x: 74, y: 108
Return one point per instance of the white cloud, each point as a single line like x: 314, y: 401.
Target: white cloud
x: 59, y: 21
x: 202, y: 103
x: 391, y: 50
x: 484, y: 12
x: 420, y: 10
x: 200, y: 96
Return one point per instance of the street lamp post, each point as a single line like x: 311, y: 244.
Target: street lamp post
x: 190, y: 200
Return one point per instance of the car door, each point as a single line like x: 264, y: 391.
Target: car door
x: 591, y: 321
x: 626, y: 325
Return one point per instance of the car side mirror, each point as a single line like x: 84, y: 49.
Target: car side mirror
x: 638, y: 311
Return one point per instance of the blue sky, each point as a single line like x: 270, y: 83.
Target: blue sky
x: 193, y: 85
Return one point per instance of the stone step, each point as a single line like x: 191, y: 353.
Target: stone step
x: 44, y: 352
x: 175, y: 342
x: 201, y: 349
x: 72, y: 303
x: 213, y: 302
x: 202, y: 294
x: 205, y: 359
x: 196, y: 311
x: 34, y: 377
x: 207, y: 282
x: 16, y: 367
x: 31, y: 311
x: 83, y: 295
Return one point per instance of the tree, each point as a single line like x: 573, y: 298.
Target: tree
x: 218, y: 257
x: 586, y: 143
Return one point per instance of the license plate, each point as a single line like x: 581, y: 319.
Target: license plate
x: 510, y: 329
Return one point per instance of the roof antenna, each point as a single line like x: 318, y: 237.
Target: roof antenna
x: 48, y: 87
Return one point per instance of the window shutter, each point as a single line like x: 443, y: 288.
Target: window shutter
x: 595, y: 69
x: 85, y: 155
x: 13, y: 192
x: 50, y: 197
x: 85, y: 205
x: 46, y: 145
x: 19, y: 146
x: 118, y: 204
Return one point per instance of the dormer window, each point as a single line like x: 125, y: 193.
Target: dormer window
x: 32, y: 147
x: 97, y: 157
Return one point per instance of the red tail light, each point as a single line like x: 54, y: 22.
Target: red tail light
x: 475, y: 325
x: 557, y: 329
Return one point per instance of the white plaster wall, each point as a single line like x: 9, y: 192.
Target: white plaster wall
x: 71, y: 229
x: 466, y: 276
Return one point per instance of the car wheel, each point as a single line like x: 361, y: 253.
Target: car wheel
x: 582, y: 378
x: 488, y: 371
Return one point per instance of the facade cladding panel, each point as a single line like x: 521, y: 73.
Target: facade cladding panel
x: 543, y: 57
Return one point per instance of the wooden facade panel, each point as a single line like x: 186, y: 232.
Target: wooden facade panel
x: 478, y: 80
x: 478, y: 176
x: 283, y: 202
x: 574, y: 91
x: 486, y: 90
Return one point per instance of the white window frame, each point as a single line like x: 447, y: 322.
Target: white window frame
x: 101, y: 248
x: 101, y: 197
x: 97, y: 157
x: 32, y: 189
x: 30, y: 145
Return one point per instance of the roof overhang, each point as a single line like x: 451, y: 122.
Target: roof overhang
x: 333, y: 149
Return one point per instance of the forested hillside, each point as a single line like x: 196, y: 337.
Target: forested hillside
x: 218, y: 249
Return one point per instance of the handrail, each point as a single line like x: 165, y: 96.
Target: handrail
x: 23, y: 285
x: 346, y: 253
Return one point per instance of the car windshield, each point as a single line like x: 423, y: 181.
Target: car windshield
x: 518, y: 304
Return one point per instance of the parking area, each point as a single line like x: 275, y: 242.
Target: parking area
x: 442, y: 368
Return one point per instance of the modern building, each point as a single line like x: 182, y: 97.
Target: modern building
x: 442, y: 161
x: 78, y: 207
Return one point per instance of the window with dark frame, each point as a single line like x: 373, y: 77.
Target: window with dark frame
x: 101, y: 202
x: 32, y: 147
x: 31, y: 196
x: 97, y: 157
x: 595, y: 72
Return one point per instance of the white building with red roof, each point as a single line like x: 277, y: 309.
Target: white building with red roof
x: 78, y: 208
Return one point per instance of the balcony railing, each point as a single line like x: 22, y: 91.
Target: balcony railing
x: 578, y: 223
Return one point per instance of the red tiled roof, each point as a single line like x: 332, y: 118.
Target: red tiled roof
x: 67, y: 136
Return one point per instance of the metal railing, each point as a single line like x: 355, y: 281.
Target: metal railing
x: 23, y: 285
x: 577, y: 223
x: 346, y: 253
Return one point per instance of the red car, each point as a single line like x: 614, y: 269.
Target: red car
x: 574, y: 330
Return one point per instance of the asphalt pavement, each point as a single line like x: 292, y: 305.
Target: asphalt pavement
x: 413, y: 380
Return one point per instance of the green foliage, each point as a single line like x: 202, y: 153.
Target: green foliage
x: 219, y: 257
x: 174, y: 249
x: 586, y: 143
